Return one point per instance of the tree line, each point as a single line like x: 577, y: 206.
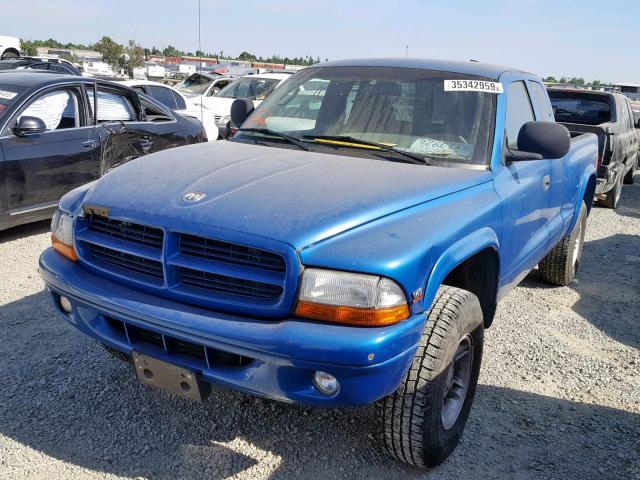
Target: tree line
x: 573, y: 81
x: 133, y: 54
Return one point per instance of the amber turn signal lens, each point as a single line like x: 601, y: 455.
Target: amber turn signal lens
x: 64, y: 250
x: 365, y: 317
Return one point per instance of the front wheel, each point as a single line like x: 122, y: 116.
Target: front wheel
x: 424, y: 419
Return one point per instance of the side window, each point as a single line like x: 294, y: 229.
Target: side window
x: 182, y: 105
x: 630, y: 112
x: 113, y: 106
x: 163, y: 95
x: 541, y: 102
x: 60, y: 69
x: 519, y: 112
x: 58, y: 110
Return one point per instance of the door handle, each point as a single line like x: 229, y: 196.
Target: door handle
x: 546, y: 181
x: 89, y: 144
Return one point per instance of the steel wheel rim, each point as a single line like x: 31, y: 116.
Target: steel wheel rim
x: 458, y: 377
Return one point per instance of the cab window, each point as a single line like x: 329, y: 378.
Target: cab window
x: 519, y: 112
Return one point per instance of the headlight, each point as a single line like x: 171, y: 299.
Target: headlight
x: 62, y: 235
x: 351, y: 298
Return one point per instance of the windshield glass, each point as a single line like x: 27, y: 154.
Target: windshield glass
x: 195, y: 83
x: 254, y: 88
x: 404, y: 108
x: 8, y: 95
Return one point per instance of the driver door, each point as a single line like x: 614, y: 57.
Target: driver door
x: 41, y: 167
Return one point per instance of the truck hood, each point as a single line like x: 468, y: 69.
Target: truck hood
x: 292, y: 196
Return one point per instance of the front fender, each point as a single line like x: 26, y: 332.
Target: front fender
x: 454, y: 255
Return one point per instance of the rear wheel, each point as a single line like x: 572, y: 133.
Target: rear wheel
x: 560, y: 265
x: 612, y: 197
x: 424, y: 419
x: 9, y: 54
x: 628, y: 178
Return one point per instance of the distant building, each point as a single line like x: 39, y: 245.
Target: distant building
x: 82, y: 55
x: 631, y: 90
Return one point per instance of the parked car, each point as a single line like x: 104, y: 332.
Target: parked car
x: 254, y: 87
x: 203, y: 84
x: 176, y: 101
x: 52, y: 140
x: 610, y: 116
x: 337, y: 263
x: 33, y: 63
x: 9, y: 47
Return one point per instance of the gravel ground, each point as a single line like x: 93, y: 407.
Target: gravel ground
x: 559, y: 393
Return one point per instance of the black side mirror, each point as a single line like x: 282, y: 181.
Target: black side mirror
x: 29, y: 125
x: 638, y: 123
x: 241, y: 108
x: 538, y: 140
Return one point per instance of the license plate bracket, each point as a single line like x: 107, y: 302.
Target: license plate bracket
x: 170, y: 378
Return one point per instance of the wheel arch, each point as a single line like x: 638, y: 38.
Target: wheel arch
x: 471, y: 263
x: 10, y: 50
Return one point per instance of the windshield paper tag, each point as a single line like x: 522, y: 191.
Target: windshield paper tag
x: 472, y: 86
x: 7, y: 95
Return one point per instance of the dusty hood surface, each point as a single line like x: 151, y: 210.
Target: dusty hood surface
x: 292, y: 196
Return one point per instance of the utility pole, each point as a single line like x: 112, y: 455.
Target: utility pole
x: 406, y: 51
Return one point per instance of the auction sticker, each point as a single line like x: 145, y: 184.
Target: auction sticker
x: 472, y: 86
x: 7, y: 95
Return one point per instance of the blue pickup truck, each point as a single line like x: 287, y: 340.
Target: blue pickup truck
x: 349, y: 244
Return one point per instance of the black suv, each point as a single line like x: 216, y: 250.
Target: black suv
x: 30, y: 63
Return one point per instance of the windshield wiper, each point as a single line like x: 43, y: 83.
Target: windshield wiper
x: 417, y: 159
x: 266, y: 131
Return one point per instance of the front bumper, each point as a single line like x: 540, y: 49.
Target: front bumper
x: 279, y: 357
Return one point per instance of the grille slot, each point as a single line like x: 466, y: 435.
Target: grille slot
x: 231, y: 285
x: 134, y: 263
x: 231, y: 253
x: 198, y: 355
x: 129, y: 232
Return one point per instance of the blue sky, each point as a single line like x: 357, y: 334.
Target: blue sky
x: 592, y: 39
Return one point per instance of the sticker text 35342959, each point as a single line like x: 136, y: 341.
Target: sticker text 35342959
x: 472, y: 86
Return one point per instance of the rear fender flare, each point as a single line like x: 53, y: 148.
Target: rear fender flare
x: 587, y: 176
x: 455, y: 255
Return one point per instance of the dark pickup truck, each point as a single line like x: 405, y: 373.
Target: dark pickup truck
x: 610, y: 116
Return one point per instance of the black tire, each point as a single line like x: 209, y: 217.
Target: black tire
x: 414, y: 415
x: 611, y: 198
x: 123, y: 357
x: 628, y: 178
x: 8, y: 55
x: 560, y: 265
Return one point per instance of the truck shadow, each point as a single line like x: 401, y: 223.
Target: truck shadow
x: 62, y: 395
x: 22, y: 231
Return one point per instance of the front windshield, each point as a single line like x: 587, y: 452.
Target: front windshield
x: 404, y: 108
x: 8, y: 95
x: 254, y: 88
x: 194, y: 84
